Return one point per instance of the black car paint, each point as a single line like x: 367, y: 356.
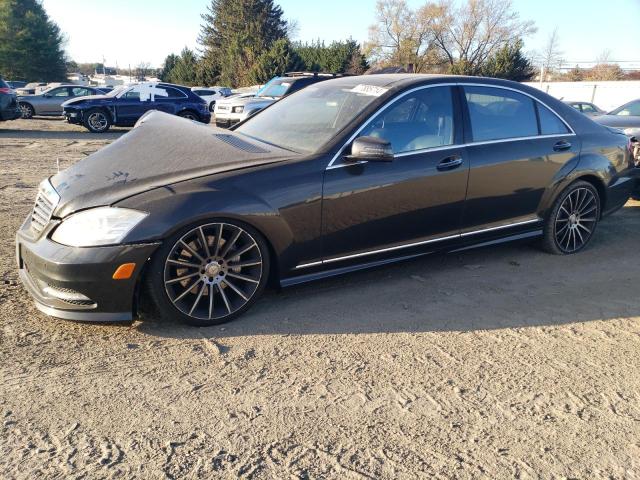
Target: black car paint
x: 321, y: 221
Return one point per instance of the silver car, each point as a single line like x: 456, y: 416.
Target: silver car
x: 625, y: 118
x: 50, y: 101
x: 588, y: 108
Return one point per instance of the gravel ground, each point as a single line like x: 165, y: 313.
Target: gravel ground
x: 497, y: 363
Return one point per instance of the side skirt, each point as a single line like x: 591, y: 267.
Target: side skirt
x: 310, y: 277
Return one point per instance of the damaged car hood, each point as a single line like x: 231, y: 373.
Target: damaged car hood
x: 160, y: 150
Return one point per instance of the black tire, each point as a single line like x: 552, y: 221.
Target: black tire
x: 189, y: 115
x: 169, y: 291
x: 212, y: 105
x: 27, y: 110
x: 97, y: 120
x: 572, y: 221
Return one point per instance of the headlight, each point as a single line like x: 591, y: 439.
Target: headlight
x: 632, y: 132
x: 97, y: 226
x: 237, y: 109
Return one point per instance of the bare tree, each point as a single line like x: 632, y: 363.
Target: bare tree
x: 605, y: 69
x: 551, y: 56
x: 468, y: 34
x: 142, y: 70
x: 401, y: 36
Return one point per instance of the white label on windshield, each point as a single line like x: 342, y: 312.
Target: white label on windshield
x: 371, y: 90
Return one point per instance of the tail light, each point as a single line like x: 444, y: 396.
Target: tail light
x: 5, y: 90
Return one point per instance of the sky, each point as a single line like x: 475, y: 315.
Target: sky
x: 130, y: 32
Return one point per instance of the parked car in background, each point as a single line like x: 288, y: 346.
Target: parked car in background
x: 9, y: 109
x: 211, y: 94
x: 347, y: 174
x: 236, y: 109
x: 124, y: 106
x: 625, y: 118
x: 15, y: 84
x: 31, y: 88
x: 49, y: 102
x: 587, y: 108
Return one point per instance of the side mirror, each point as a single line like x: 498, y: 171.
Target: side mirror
x: 371, y: 149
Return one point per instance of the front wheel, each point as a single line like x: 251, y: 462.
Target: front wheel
x: 97, y: 120
x: 573, y: 219
x: 208, y: 273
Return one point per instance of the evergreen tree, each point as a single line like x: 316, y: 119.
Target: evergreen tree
x: 167, y: 66
x: 185, y: 70
x: 235, y: 33
x: 338, y: 57
x: 31, y: 45
x: 279, y: 59
x: 509, y: 62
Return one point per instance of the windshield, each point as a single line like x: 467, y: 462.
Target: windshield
x: 276, y: 87
x: 308, y: 119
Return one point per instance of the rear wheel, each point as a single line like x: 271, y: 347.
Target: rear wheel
x: 208, y: 273
x: 573, y: 219
x: 26, y: 110
x: 97, y: 120
x: 189, y: 115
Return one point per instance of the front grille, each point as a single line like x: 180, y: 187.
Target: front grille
x: 222, y: 108
x: 46, y: 202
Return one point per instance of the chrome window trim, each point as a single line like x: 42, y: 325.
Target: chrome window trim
x: 415, y: 244
x: 572, y: 133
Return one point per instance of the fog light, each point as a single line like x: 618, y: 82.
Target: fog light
x: 124, y: 271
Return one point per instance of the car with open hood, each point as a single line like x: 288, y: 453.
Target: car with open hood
x: 350, y: 173
x: 235, y: 109
x: 124, y: 106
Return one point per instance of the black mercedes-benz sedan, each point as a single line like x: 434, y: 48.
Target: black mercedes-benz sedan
x: 346, y: 174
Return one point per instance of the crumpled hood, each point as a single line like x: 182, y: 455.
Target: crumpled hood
x: 160, y: 150
x: 86, y: 97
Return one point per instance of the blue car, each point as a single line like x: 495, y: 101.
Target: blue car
x: 125, y: 105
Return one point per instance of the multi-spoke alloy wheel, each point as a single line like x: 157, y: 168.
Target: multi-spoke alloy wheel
x: 97, y: 120
x: 213, y: 271
x: 573, y: 219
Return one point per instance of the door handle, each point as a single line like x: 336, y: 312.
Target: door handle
x: 450, y: 163
x: 561, y: 145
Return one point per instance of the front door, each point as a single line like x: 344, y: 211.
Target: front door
x: 417, y: 197
x: 52, y: 101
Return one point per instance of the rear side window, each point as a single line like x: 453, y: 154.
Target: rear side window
x: 631, y: 109
x: 173, y: 93
x: 204, y: 92
x: 550, y: 124
x: 496, y: 114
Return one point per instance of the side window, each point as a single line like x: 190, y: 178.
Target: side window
x: 80, y: 92
x: 132, y: 95
x: 59, y: 92
x: 550, y: 124
x: 630, y: 109
x: 421, y: 120
x: 172, y: 93
x: 587, y: 108
x: 496, y: 114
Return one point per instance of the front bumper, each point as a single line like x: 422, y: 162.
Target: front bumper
x: 73, y: 116
x: 76, y: 283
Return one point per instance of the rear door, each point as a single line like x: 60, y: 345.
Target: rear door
x: 173, y: 102
x: 516, y: 147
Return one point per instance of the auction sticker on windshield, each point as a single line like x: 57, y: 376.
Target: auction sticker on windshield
x: 371, y: 90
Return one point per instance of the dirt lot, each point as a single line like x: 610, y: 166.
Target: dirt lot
x: 496, y: 363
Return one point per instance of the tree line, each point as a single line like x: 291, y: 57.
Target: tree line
x: 247, y: 42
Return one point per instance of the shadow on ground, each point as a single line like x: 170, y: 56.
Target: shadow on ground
x: 510, y: 286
